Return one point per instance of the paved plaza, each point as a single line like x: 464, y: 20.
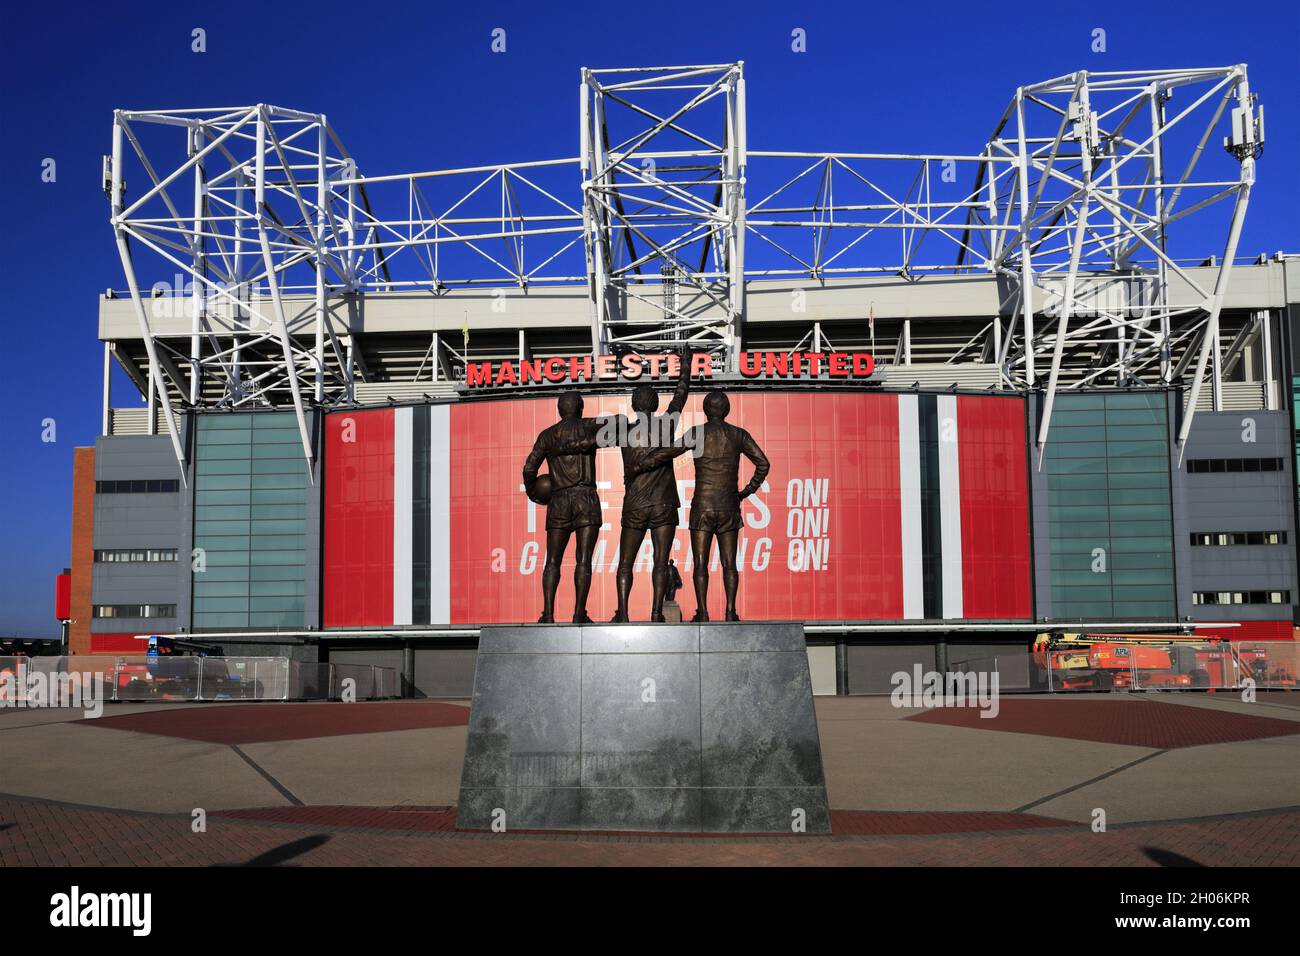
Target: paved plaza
x: 1192, y: 779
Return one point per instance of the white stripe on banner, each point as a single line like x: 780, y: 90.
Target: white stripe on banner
x: 909, y: 484
x: 403, y: 464
x: 950, y: 506
x: 440, y: 514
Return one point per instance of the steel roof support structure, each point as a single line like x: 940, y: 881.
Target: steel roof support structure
x: 227, y: 251
x: 664, y: 200
x: 1093, y: 194
x: 1069, y: 204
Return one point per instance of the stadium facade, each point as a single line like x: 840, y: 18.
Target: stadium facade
x: 1002, y: 391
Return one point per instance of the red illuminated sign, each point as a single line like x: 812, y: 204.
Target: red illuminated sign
x: 637, y: 368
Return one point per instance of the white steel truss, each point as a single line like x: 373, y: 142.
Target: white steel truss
x: 274, y: 237
x: 664, y: 205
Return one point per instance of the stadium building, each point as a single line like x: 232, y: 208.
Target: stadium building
x: 1034, y: 386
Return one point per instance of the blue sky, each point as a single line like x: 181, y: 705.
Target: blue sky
x: 415, y: 86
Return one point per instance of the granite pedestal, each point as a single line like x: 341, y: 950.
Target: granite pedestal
x: 647, y: 727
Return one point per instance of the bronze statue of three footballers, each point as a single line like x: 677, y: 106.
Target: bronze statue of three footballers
x: 649, y: 444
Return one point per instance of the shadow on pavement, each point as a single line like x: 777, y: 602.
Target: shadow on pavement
x: 283, y: 854
x: 1168, y: 857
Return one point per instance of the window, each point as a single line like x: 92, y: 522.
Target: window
x: 134, y: 610
x: 138, y: 486
x: 134, y: 555
x: 1217, y: 466
x: 1241, y: 597
x: 1202, y: 539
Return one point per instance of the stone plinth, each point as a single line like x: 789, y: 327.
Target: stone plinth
x: 646, y: 727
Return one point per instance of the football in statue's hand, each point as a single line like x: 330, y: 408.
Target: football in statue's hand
x: 542, y: 489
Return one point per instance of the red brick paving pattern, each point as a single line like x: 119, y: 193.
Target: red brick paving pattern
x: 1138, y: 723
x: 258, y: 723
x: 36, y: 833
x: 843, y: 822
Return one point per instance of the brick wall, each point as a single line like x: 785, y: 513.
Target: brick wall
x: 83, y: 548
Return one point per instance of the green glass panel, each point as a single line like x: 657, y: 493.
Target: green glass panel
x: 238, y: 496
x: 205, y: 528
x: 214, y: 620
x: 1136, y: 449
x: 1143, y: 610
x: 298, y: 511
x: 277, y: 496
x: 1137, y: 465
x: 275, y: 557
x: 265, y: 619
x: 272, y: 588
x: 265, y: 482
x: 237, y: 512
x: 277, y: 603
x: 1155, y: 433
x: 224, y: 559
x: 1140, y: 496
x: 202, y: 604
x: 207, y: 588
x: 291, y: 455
x: 213, y: 422
x: 276, y: 572
x: 1061, y: 432
x: 1081, y: 609
x: 278, y: 436
x: 227, y: 542
x: 206, y: 467
x: 224, y: 483
x: 215, y: 444
x: 219, y: 574
x: 1120, y: 561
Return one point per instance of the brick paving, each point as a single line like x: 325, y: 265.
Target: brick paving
x: 259, y: 723
x: 37, y: 833
x: 1137, y: 723
x: 843, y: 822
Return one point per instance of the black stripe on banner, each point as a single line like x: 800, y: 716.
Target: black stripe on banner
x: 931, y: 513
x: 421, y: 533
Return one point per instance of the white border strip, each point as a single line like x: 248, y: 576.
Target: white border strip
x: 950, y: 506
x: 403, y: 505
x: 440, y: 514
x: 909, y: 485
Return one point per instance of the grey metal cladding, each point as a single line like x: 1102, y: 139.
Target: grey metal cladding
x: 144, y: 520
x: 134, y: 457
x: 1239, y: 501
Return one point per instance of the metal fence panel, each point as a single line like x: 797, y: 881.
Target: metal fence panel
x: 166, y: 677
x: 362, y: 676
x: 1011, y: 667
x: 50, y: 681
x: 140, y: 678
x: 1272, y: 665
x: 244, y: 678
x: 310, y: 681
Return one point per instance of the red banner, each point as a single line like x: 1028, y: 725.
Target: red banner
x: 822, y: 540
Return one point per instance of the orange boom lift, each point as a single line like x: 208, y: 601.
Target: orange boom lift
x: 1121, y: 661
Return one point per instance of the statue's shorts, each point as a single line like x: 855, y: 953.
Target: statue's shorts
x: 572, y: 508
x: 649, y: 517
x: 718, y: 522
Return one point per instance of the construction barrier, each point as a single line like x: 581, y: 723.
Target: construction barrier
x: 139, y: 678
x: 1107, y: 665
